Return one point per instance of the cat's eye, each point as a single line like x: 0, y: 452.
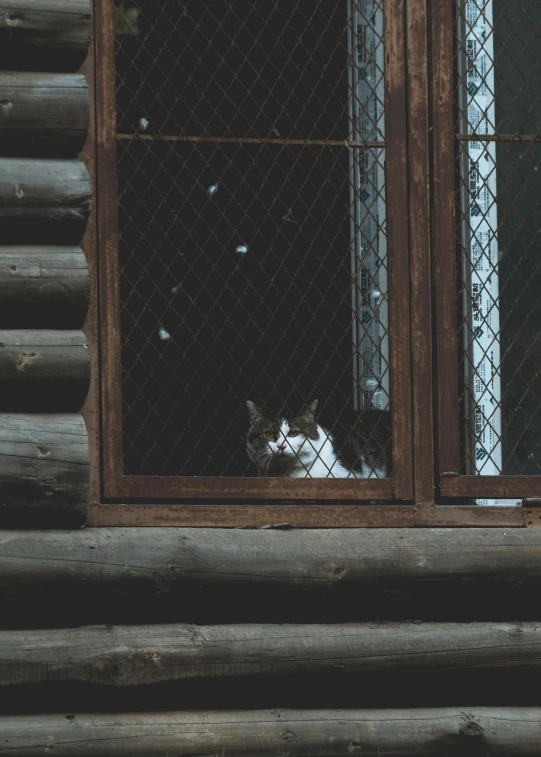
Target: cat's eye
x: 270, y: 435
x: 293, y: 433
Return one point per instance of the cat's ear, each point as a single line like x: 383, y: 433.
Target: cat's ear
x: 312, y: 406
x: 309, y: 411
x: 253, y: 411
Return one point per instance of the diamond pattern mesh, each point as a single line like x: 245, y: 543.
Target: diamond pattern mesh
x: 499, y: 196
x: 252, y: 221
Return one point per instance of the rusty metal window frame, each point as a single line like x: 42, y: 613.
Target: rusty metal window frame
x: 416, y: 120
x: 452, y: 485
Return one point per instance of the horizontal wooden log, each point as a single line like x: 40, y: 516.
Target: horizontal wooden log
x: 478, y: 730
x: 46, y: 35
x: 172, y: 559
x: 43, y: 201
x: 43, y: 113
x: 43, y: 287
x: 137, y: 655
x: 43, y: 370
x: 44, y: 469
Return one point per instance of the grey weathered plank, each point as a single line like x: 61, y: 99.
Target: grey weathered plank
x: 43, y: 111
x: 44, y: 470
x: 43, y: 287
x: 43, y: 369
x: 494, y: 730
x: 136, y: 655
x: 43, y: 201
x: 172, y: 559
x: 49, y: 35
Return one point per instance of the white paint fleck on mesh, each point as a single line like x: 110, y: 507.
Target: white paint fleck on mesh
x: 164, y: 335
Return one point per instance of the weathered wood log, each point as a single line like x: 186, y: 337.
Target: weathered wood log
x: 44, y: 35
x: 137, y: 655
x: 44, y: 470
x: 171, y: 559
x: 44, y: 114
x: 43, y: 201
x: 445, y: 731
x: 45, y: 287
x: 43, y: 370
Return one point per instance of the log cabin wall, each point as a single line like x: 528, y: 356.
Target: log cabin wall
x: 161, y: 641
x: 45, y: 203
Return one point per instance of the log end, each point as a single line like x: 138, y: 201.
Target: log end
x: 45, y: 467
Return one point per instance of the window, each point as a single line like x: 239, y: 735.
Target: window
x: 292, y: 209
x: 492, y: 430
x: 253, y: 243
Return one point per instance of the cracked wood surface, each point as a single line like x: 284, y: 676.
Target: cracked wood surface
x: 49, y: 35
x: 170, y: 559
x: 43, y: 370
x: 44, y: 465
x: 44, y: 107
x: 478, y: 730
x: 43, y: 201
x: 43, y: 287
x: 138, y: 655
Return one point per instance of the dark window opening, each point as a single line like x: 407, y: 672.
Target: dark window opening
x: 253, y: 248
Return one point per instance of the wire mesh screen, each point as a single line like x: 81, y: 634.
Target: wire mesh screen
x: 250, y: 142
x: 499, y: 196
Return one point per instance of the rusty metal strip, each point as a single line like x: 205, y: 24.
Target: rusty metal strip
x: 501, y: 487
x: 532, y: 513
x: 303, y: 516
x: 106, y: 192
x: 398, y: 264
x: 153, y: 487
x: 444, y: 240
x: 344, y: 143
x: 419, y: 239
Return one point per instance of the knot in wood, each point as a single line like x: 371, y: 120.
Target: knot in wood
x: 339, y: 573
x: 26, y: 359
x: 287, y: 735
x: 469, y: 727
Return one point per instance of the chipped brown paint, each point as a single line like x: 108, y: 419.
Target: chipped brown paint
x: 266, y: 516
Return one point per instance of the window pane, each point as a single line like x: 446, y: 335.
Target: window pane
x: 253, y: 251
x: 500, y: 234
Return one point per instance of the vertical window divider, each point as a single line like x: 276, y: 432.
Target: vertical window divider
x: 419, y: 244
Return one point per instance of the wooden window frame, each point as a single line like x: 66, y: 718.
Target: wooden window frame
x: 451, y: 484
x: 418, y: 494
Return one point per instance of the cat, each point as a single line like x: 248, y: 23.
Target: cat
x: 299, y: 447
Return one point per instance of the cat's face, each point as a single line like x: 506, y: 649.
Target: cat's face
x: 284, y: 438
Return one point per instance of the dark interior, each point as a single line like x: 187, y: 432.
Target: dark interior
x: 271, y: 324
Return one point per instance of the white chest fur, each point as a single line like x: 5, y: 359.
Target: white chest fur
x: 321, y: 461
